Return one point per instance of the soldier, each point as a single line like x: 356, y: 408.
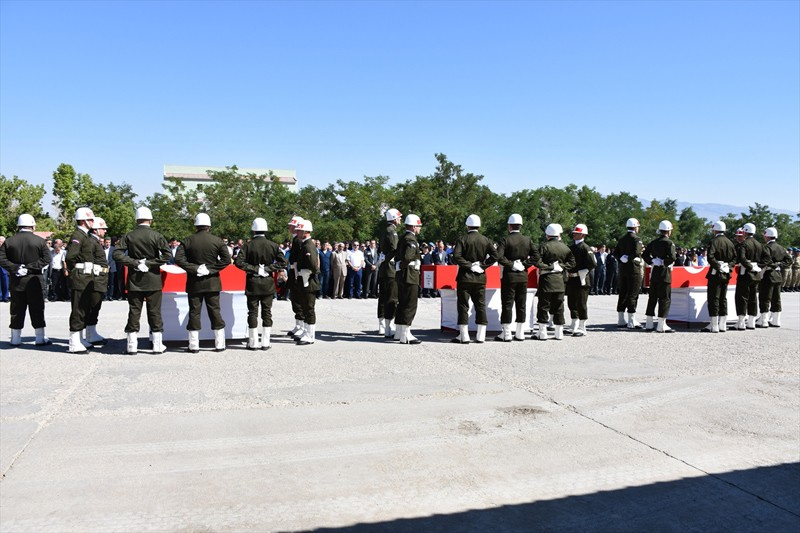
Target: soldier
x: 306, y: 282
x: 387, y: 292
x: 259, y: 258
x: 660, y: 255
x: 473, y: 253
x: 774, y: 260
x: 407, y: 265
x: 630, y: 274
x: 291, y: 277
x: 578, y: 280
x: 516, y: 254
x: 796, y: 270
x: 721, y: 259
x: 750, y: 273
x: 85, y: 262
x: 555, y: 258
x: 98, y: 232
x: 143, y: 250
x: 203, y: 256
x: 24, y: 256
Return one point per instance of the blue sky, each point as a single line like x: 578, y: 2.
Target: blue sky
x: 698, y: 101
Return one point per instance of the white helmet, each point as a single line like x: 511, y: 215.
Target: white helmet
x: 99, y: 223
x: 718, y: 226
x: 740, y: 232
x: 202, y: 219
x: 393, y: 214
x: 553, y: 230
x: 84, y: 213
x: 515, y: 219
x: 26, y: 221
x: 632, y: 223
x: 473, y: 221
x: 304, y: 225
x: 771, y: 232
x: 749, y: 228
x: 582, y: 229
x: 259, y: 224
x: 413, y: 220
x: 296, y: 220
x: 665, y: 225
x: 143, y: 213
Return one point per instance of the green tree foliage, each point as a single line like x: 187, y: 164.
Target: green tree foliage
x: 173, y: 210
x: 18, y: 197
x: 763, y: 218
x: 690, y: 229
x: 65, y: 196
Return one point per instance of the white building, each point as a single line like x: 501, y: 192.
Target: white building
x: 192, y: 176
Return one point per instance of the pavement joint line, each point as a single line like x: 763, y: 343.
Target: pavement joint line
x: 49, y: 414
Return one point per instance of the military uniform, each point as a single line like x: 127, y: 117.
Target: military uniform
x: 86, y: 263
x: 578, y: 280
x: 292, y: 281
x: 407, y: 260
x: 101, y: 279
x: 748, y: 254
x: 514, y: 285
x: 203, y: 248
x: 660, y: 275
x: 551, y: 284
x: 387, y: 293
x: 630, y: 272
x: 774, y: 260
x: 260, y: 290
x: 143, y: 243
x: 796, y: 271
x: 307, y: 259
x: 28, y: 250
x: 721, y: 257
x: 471, y: 248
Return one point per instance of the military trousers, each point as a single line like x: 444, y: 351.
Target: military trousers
x: 407, y: 296
x: 212, y: 308
x: 746, y: 296
x: 475, y: 292
x: 308, y: 302
x: 578, y: 298
x: 83, y: 302
x: 513, y: 296
x: 630, y: 285
x: 137, y: 300
x: 717, y: 296
x: 769, y: 296
x: 387, y: 298
x: 31, y: 300
x: 550, y: 303
x: 295, y: 296
x: 660, y: 293
x: 262, y: 302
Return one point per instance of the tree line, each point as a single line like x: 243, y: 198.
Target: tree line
x: 347, y: 210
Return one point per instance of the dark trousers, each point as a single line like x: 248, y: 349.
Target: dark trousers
x: 611, y: 281
x: 660, y: 293
x: 4, y: 284
x: 717, y: 297
x: 119, y: 290
x: 212, y: 308
x: 57, y: 285
x: 366, y: 280
x: 30, y: 300
x: 599, y: 280
x: 387, y: 298
x: 308, y: 302
x: 746, y: 297
x: 629, y: 287
x: 325, y: 283
x: 407, y: 295
x: 83, y: 301
x: 354, y: 283
x: 550, y: 303
x: 112, y: 285
x: 295, y: 297
x: 513, y: 295
x: 253, y: 304
x: 475, y: 292
x: 577, y: 299
x: 136, y: 300
x: 769, y: 296
x: 93, y: 314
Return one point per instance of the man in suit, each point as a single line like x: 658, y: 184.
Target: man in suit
x: 370, y: 270
x: 112, y: 268
x: 338, y: 270
x: 600, y: 270
x: 325, y: 253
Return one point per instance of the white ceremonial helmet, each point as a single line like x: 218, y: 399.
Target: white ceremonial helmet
x: 26, y: 221
x: 99, y: 223
x: 143, y: 213
x: 473, y: 221
x: 718, y: 226
x: 553, y: 230
x: 84, y: 213
x: 771, y: 232
x: 304, y: 225
x: 749, y: 228
x: 296, y: 220
x: 665, y: 225
x: 202, y: 219
x: 413, y: 220
x: 582, y: 229
x: 516, y: 218
x: 393, y: 214
x: 740, y: 232
x: 259, y: 224
x: 632, y: 223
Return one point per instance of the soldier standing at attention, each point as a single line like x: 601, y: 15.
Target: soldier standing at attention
x: 143, y: 250
x: 307, y: 282
x: 387, y: 291
x: 578, y: 280
x: 259, y: 258
x: 516, y: 254
x: 98, y: 232
x: 556, y: 257
x: 660, y: 254
x: 750, y: 273
x: 721, y: 259
x: 774, y: 260
x: 85, y: 262
x: 24, y: 255
x: 407, y: 264
x: 291, y: 278
x: 473, y: 253
x: 203, y: 256
x: 631, y: 272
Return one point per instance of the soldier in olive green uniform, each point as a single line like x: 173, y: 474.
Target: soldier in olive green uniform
x: 748, y: 254
x: 307, y: 282
x: 143, y: 250
x: 774, y: 260
x: 387, y: 291
x: 660, y: 255
x: 86, y: 260
x: 203, y: 256
x: 721, y: 259
x: 24, y: 255
x: 556, y: 257
x: 259, y: 258
x: 628, y: 253
x: 516, y: 254
x: 578, y: 283
x: 473, y: 253
x: 291, y: 279
x: 98, y: 232
x: 795, y: 270
x: 407, y: 264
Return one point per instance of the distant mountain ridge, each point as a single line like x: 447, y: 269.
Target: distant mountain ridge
x: 715, y: 211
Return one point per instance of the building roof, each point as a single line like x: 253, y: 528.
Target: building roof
x: 200, y: 173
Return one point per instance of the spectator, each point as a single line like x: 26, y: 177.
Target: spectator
x: 325, y: 253
x: 356, y: 264
x: 108, y: 250
x: 370, y: 271
x: 611, y: 274
x: 58, y: 258
x: 338, y: 271
x: 600, y: 271
x: 427, y: 259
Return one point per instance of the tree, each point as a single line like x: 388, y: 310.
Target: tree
x: 65, y: 197
x: 691, y: 229
x: 174, y: 210
x: 18, y: 196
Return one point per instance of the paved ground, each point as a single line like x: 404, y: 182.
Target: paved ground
x: 617, y: 430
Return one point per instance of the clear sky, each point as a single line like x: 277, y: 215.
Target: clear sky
x: 698, y: 101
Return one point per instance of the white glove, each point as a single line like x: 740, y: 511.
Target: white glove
x: 142, y: 267
x: 724, y: 268
x: 476, y: 267
x: 22, y: 271
x: 742, y: 270
x: 623, y: 259
x: 658, y: 262
x: 305, y: 274
x: 416, y: 264
x: 556, y: 267
x: 777, y: 269
x: 96, y: 270
x: 202, y: 270
x: 582, y: 273
x: 517, y: 266
x: 397, y: 267
x: 262, y: 271
x: 88, y: 268
x: 756, y: 268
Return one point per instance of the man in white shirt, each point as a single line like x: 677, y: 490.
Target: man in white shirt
x: 58, y: 256
x: 356, y: 264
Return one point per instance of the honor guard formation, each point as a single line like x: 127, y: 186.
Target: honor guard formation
x: 564, y: 269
